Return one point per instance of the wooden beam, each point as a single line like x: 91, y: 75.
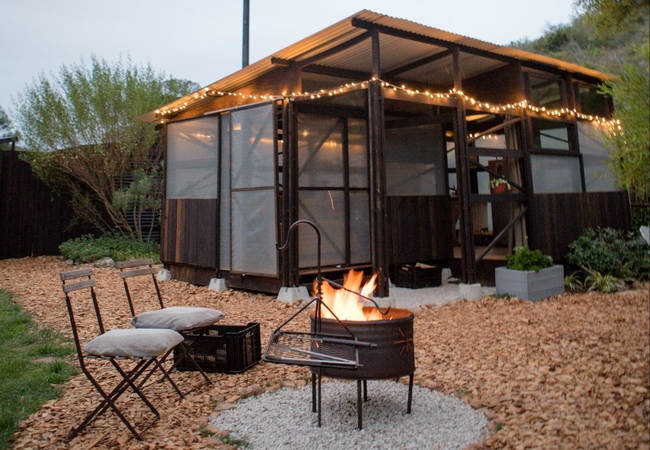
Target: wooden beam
x: 462, y: 176
x: 378, y: 213
x: 337, y: 72
x: 418, y: 63
x: 420, y: 120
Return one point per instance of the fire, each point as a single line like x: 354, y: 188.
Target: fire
x: 349, y: 305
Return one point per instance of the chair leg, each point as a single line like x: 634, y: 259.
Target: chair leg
x: 158, y: 365
x: 186, y: 347
x: 110, y: 398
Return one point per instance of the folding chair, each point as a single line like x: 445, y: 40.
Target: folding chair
x: 144, y: 347
x: 192, y: 322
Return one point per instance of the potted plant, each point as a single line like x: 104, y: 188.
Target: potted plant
x: 529, y: 275
x: 499, y: 185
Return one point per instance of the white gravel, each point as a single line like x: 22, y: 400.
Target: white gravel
x: 283, y: 419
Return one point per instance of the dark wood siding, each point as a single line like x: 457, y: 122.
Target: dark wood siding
x: 190, y: 229
x: 560, y: 218
x: 33, y: 219
x: 419, y: 229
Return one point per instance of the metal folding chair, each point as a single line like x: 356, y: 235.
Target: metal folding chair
x: 192, y: 322
x: 116, y: 346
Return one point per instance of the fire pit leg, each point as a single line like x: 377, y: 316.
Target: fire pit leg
x: 320, y: 379
x: 408, y: 406
x: 313, y: 393
x: 359, y: 404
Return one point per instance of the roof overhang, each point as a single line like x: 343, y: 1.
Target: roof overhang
x: 410, y: 50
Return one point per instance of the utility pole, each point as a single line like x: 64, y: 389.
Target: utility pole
x: 245, y: 37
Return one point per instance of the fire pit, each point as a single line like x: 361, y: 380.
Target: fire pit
x: 392, y: 355
x: 347, y: 338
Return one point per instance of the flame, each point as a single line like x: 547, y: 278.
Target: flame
x: 349, y: 305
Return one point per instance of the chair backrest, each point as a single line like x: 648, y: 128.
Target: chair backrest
x: 138, y: 268
x: 78, y: 280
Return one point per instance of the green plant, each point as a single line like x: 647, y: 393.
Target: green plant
x: 607, y: 283
x: 89, y: 248
x: 610, y: 251
x: 239, y: 443
x: 27, y: 378
x: 523, y: 258
x: 573, y: 282
x: 494, y: 182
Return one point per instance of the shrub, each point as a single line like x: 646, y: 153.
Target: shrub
x: 611, y: 252
x: 88, y: 248
x: 523, y: 258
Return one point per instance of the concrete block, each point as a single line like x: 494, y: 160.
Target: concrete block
x: 164, y: 275
x: 293, y: 294
x: 470, y: 291
x: 217, y: 284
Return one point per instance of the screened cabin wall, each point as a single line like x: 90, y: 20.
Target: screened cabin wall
x: 389, y: 177
x: 220, y: 210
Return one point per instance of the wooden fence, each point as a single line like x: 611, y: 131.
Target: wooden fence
x: 32, y: 218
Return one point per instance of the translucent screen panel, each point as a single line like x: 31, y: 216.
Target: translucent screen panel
x: 598, y: 177
x: 326, y: 209
x: 551, y: 135
x: 545, y: 92
x: 193, y: 158
x: 591, y: 102
x: 224, y: 212
x: 253, y: 232
x: 359, y: 228
x: 358, y: 153
x: 253, y: 138
x: 555, y: 174
x: 320, y: 151
x: 415, y: 161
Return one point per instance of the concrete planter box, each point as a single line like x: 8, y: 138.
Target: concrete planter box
x: 528, y: 284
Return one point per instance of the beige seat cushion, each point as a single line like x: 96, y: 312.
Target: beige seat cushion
x: 140, y: 343
x: 179, y: 318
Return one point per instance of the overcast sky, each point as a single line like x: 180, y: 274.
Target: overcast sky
x: 200, y: 40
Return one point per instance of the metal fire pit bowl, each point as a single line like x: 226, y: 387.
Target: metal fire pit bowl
x: 393, y: 356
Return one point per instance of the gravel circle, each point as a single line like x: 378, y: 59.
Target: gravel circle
x: 283, y: 419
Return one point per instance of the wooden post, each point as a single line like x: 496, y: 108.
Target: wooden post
x: 378, y: 241
x: 462, y: 177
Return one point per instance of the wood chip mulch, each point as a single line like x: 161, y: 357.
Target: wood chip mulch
x: 569, y: 372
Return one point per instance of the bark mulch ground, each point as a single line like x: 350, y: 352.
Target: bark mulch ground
x: 568, y: 372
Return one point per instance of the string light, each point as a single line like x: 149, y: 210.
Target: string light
x: 452, y: 94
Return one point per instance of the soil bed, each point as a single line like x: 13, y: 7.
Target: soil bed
x: 568, y: 372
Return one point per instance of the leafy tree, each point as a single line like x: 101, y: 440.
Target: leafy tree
x: 629, y: 148
x: 86, y: 140
x: 611, y: 16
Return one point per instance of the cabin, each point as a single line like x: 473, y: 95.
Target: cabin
x: 403, y: 143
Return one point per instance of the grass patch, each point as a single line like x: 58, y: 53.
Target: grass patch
x: 88, y: 248
x: 25, y: 383
x: 239, y: 443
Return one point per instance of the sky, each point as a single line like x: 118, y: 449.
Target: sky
x: 200, y: 40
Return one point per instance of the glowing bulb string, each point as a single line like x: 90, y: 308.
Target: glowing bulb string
x: 452, y: 94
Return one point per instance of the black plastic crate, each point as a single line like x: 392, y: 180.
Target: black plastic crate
x: 224, y: 349
x: 414, y: 277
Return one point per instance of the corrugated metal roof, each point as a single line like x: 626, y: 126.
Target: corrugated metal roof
x: 395, y: 52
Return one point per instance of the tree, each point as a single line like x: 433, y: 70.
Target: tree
x: 613, y: 15
x: 85, y: 139
x: 629, y: 148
